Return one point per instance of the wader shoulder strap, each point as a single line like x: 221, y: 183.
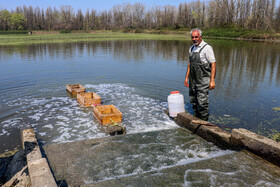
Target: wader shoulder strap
x: 192, y: 48
x: 202, y: 48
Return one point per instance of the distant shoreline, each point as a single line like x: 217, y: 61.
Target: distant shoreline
x: 44, y: 37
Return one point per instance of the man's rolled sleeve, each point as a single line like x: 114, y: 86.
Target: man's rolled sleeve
x: 210, y: 57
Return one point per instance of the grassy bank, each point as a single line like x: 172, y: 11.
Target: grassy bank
x: 38, y: 38
x: 131, y: 34
x: 240, y: 34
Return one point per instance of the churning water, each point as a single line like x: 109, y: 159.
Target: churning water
x: 137, y: 77
x: 59, y: 119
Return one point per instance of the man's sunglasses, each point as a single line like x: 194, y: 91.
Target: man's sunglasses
x: 195, y: 36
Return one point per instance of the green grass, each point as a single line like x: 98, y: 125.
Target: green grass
x: 239, y: 33
x: 83, y: 37
x: 13, y: 32
x: 276, y: 108
x: 276, y: 137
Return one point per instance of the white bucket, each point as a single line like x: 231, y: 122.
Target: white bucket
x: 175, y: 103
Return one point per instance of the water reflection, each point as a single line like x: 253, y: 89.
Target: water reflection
x: 247, y: 81
x: 128, y: 50
x: 242, y: 66
x: 247, y: 65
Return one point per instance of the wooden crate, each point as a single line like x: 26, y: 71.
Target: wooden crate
x: 75, y: 88
x: 88, y: 98
x: 104, y: 114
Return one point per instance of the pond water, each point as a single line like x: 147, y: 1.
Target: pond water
x: 136, y: 77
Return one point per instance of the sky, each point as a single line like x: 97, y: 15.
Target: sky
x: 98, y: 5
x: 83, y: 4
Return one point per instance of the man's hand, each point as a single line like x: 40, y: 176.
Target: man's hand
x: 186, y: 83
x: 212, y: 85
x: 213, y: 75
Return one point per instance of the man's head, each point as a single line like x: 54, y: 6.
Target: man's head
x: 196, y: 35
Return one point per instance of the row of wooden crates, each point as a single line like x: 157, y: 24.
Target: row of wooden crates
x: 105, y: 114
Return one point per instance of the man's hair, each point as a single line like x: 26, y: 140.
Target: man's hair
x: 197, y: 29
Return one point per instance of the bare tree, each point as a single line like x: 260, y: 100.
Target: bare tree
x: 86, y: 24
x: 79, y: 20
x: 148, y: 20
x: 118, y: 17
x: 66, y: 16
x: 277, y: 20
x: 138, y: 15
x: 248, y: 14
x: 93, y: 20
x: 128, y: 15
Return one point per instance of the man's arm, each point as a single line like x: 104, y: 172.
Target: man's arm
x: 187, y: 76
x: 213, y: 75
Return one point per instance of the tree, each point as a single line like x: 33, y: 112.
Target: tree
x: 118, y: 17
x: 86, y: 21
x: 49, y: 18
x: 128, y: 21
x: 168, y: 19
x: 277, y: 20
x: 157, y: 16
x: 248, y: 14
x: 66, y: 17
x: 138, y: 15
x: 148, y: 23
x: 5, y: 18
x: 17, y: 21
x: 79, y: 20
x: 93, y: 20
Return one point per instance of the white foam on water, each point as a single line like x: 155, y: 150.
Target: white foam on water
x: 62, y: 119
x: 119, y: 168
x: 42, y: 133
x: 49, y: 126
x: 196, y: 157
x: 9, y: 124
x: 163, y: 152
x: 140, y: 114
x: 3, y: 132
x: 36, y: 116
x: 211, y: 175
x: 267, y: 183
x: 239, y: 177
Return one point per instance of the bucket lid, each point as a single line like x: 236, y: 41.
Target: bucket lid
x: 174, y: 92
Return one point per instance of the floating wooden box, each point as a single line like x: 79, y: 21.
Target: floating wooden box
x: 75, y: 88
x: 104, y: 114
x: 88, y: 98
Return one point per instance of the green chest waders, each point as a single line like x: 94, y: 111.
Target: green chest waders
x: 199, y: 81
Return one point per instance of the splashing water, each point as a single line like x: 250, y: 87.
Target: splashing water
x: 62, y: 119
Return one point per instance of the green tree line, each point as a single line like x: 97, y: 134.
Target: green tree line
x: 246, y: 14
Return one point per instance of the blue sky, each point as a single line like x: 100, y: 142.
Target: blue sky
x: 83, y: 4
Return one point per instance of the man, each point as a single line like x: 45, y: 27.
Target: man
x: 200, y: 74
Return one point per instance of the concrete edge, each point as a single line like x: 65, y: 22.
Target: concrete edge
x: 237, y: 139
x: 39, y: 171
x: 20, y: 178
